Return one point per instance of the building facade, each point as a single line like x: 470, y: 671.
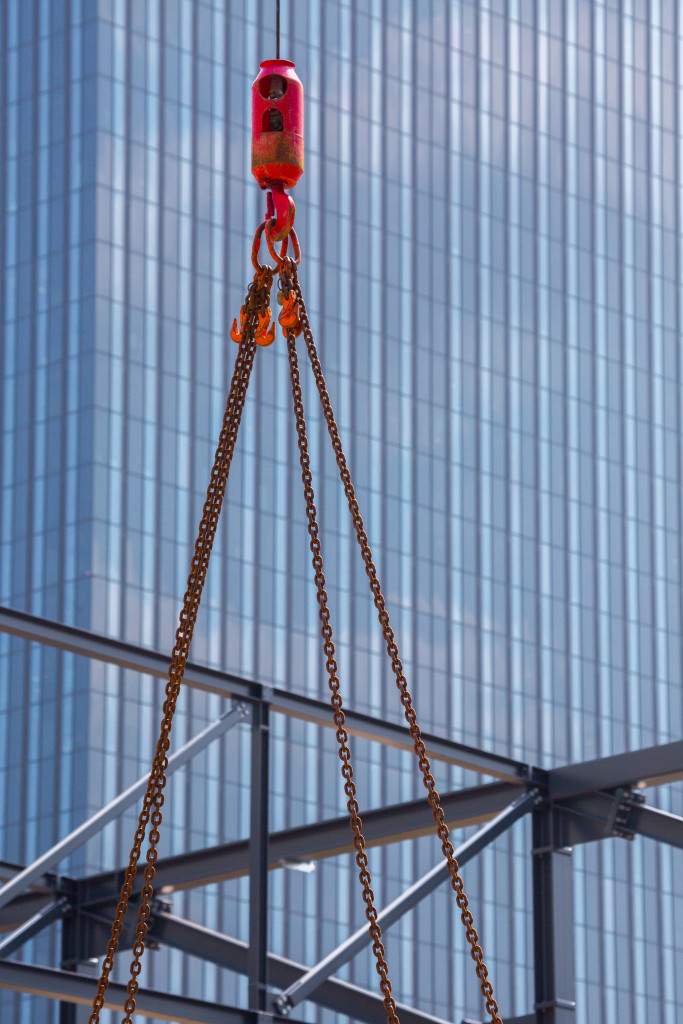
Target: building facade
x: 490, y: 218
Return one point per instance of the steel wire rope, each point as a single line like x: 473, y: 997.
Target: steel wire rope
x: 277, y: 42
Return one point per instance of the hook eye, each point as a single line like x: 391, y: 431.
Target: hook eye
x: 284, y: 211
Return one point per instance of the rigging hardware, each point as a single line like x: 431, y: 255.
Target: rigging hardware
x: 277, y: 163
x: 277, y: 138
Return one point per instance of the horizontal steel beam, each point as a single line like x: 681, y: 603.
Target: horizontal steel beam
x: 590, y: 817
x: 651, y: 766
x: 583, y: 819
x: 20, y: 909
x: 9, y: 871
x: 372, y: 728
x: 659, y: 825
x: 340, y: 996
x: 72, y: 988
x: 138, y: 659
x: 330, y: 838
x: 116, y: 652
x: 306, y: 986
x: 41, y: 919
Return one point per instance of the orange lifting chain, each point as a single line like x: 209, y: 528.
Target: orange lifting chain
x: 270, y: 116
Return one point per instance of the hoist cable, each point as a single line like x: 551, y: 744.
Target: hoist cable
x: 277, y: 35
x: 256, y: 303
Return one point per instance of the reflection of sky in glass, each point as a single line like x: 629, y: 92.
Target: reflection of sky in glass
x: 489, y: 218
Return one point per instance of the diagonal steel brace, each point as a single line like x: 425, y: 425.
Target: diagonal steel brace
x: 93, y: 825
x: 309, y: 982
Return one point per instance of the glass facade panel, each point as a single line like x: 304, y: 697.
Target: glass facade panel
x: 490, y: 219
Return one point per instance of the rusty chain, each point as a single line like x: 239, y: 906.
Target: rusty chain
x: 255, y: 315
x: 293, y: 300
x: 255, y: 305
x: 333, y: 679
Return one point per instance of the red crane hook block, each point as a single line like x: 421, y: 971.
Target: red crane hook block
x: 277, y: 138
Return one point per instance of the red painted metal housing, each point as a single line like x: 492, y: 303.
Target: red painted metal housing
x: 277, y: 125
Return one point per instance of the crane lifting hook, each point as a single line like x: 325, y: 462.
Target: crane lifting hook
x: 277, y: 140
x: 280, y: 212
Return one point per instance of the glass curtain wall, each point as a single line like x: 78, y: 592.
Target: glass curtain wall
x: 489, y: 216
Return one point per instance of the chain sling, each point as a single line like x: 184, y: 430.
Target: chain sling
x: 255, y: 329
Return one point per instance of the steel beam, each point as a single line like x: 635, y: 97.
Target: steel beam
x: 20, y: 909
x: 659, y: 825
x: 67, y: 1012
x: 374, y: 729
x: 112, y: 810
x: 340, y: 996
x: 594, y: 816
x: 9, y: 871
x: 590, y: 817
x: 329, y: 838
x: 139, y: 659
x: 306, y: 986
x: 651, y: 766
x: 45, y: 916
x: 257, y: 960
x: 67, y: 987
x: 90, y: 931
x: 553, y: 905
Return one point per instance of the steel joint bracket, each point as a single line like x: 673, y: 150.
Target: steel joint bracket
x: 619, y: 820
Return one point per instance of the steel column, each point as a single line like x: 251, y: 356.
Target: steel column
x: 553, y: 905
x: 257, y: 962
x: 69, y: 942
x: 67, y: 1012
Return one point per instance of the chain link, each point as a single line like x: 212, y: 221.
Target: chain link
x: 289, y: 282
x: 255, y: 306
x: 335, y: 699
x: 256, y: 303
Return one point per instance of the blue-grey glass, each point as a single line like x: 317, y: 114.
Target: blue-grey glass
x: 490, y: 218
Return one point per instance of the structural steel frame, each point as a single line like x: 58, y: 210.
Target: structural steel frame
x: 573, y: 804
